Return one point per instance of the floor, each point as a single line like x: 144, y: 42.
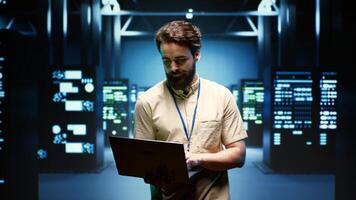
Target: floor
x: 247, y: 183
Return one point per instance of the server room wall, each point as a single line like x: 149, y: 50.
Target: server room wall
x: 224, y: 60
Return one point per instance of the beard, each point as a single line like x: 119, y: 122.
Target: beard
x: 181, y: 80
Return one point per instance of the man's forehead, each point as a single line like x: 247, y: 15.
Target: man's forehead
x: 174, y: 50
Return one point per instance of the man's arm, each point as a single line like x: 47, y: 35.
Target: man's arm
x: 231, y: 157
x: 143, y: 126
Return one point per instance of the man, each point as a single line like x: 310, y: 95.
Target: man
x: 194, y: 111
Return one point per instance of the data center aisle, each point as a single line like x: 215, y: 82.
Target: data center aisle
x: 248, y: 183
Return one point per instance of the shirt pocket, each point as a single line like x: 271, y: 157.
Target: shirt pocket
x: 209, y: 135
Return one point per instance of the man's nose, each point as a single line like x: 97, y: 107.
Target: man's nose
x: 174, y: 66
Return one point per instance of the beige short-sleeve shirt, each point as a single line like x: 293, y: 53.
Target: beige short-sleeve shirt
x: 218, y: 121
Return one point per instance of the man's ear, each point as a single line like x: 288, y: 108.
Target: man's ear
x: 197, y: 56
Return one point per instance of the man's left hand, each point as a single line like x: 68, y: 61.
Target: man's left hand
x: 193, y: 160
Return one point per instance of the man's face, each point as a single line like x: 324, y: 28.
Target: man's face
x: 179, y: 64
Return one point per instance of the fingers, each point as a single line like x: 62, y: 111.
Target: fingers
x: 187, y: 155
x: 190, y: 165
x: 192, y: 160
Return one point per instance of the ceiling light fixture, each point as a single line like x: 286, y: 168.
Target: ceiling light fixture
x: 189, y: 14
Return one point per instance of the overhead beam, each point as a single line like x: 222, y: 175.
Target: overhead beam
x: 127, y: 24
x: 202, y: 14
x: 252, y: 25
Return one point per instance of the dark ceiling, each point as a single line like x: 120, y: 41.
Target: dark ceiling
x: 184, y: 5
x: 208, y: 24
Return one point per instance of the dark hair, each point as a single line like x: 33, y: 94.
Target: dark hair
x: 180, y: 32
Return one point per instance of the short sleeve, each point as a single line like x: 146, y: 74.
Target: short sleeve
x: 233, y: 129
x: 143, y: 120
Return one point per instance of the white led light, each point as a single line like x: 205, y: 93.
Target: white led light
x: 74, y: 147
x: 78, y: 129
x: 189, y: 15
x: 56, y: 129
x: 73, y: 74
x: 89, y: 87
x: 73, y: 106
x: 67, y: 87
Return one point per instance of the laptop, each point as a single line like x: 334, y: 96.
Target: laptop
x: 141, y: 158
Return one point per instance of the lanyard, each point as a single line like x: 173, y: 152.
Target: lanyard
x: 180, y: 114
